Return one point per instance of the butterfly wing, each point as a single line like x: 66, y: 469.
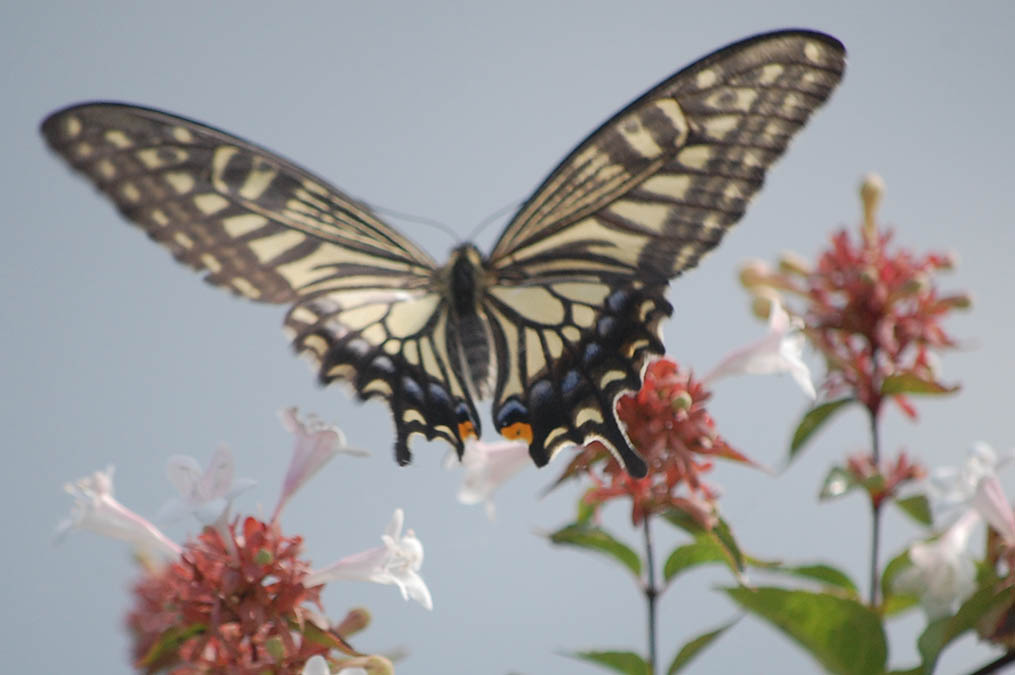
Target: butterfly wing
x: 581, y: 270
x: 366, y: 306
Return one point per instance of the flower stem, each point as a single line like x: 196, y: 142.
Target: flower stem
x: 651, y: 593
x: 875, y: 515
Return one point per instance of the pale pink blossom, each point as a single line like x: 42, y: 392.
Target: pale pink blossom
x: 951, y: 489
x: 993, y: 506
x: 397, y: 562
x: 95, y: 509
x: 316, y: 665
x: 207, y: 494
x: 943, y: 572
x: 779, y: 351
x: 487, y: 466
x: 315, y: 443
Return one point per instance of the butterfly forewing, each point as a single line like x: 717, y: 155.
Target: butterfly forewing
x: 634, y: 205
x: 365, y: 298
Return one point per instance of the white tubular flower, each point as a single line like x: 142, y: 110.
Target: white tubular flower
x: 951, y: 490
x: 206, y: 494
x: 943, y: 572
x: 397, y: 563
x: 316, y: 665
x: 993, y: 506
x: 779, y: 351
x: 96, y: 510
x: 486, y: 467
x: 315, y: 443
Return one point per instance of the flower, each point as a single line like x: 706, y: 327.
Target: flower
x: 207, y: 495
x: 669, y: 426
x: 882, y: 480
x: 487, y: 466
x: 779, y: 351
x: 951, y: 489
x: 943, y: 571
x: 317, y: 665
x: 397, y: 562
x: 96, y: 509
x: 315, y: 444
x: 232, y: 605
x: 871, y: 309
x: 374, y: 665
x: 992, y: 505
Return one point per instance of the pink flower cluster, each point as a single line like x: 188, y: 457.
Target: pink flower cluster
x: 227, y: 604
x: 669, y: 426
x: 870, y: 308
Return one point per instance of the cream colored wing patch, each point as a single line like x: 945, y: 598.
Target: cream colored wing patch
x: 256, y: 224
x: 657, y: 186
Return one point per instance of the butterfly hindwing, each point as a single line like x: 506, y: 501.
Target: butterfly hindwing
x: 392, y: 345
x: 569, y: 350
x: 634, y: 205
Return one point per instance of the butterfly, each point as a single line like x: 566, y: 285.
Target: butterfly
x: 554, y: 325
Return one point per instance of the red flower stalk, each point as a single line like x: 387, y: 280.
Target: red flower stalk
x: 669, y: 426
x: 872, y: 309
x: 227, y: 606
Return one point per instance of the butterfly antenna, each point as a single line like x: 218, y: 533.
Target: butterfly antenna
x: 411, y: 217
x: 510, y: 206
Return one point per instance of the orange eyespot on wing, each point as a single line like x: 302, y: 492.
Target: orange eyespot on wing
x: 467, y: 430
x: 517, y: 431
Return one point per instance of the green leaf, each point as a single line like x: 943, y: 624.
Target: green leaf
x: 694, y: 646
x: 597, y: 539
x: 721, y: 534
x: 169, y: 642
x: 894, y: 603
x: 725, y: 536
x: 620, y: 662
x: 939, y: 634
x: 703, y: 551
x: 908, y: 383
x: 838, y: 482
x: 585, y: 511
x: 843, y: 635
x: 812, y: 421
x: 916, y: 507
x: 825, y: 574
x: 325, y: 638
x: 685, y: 522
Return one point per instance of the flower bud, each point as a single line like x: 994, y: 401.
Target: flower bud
x: 958, y: 301
x: 917, y: 284
x: 754, y: 273
x: 792, y: 262
x: 681, y: 401
x: 761, y: 306
x: 356, y: 620
x: 871, y: 189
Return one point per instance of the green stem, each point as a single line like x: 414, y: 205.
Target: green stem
x: 875, y: 515
x: 651, y: 593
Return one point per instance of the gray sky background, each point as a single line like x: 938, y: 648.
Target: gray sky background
x: 114, y: 354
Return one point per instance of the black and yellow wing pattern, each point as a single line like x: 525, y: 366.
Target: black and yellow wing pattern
x: 555, y: 324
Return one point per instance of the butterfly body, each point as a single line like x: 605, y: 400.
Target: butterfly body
x: 554, y: 325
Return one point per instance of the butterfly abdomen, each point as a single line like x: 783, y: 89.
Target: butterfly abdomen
x: 471, y: 330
